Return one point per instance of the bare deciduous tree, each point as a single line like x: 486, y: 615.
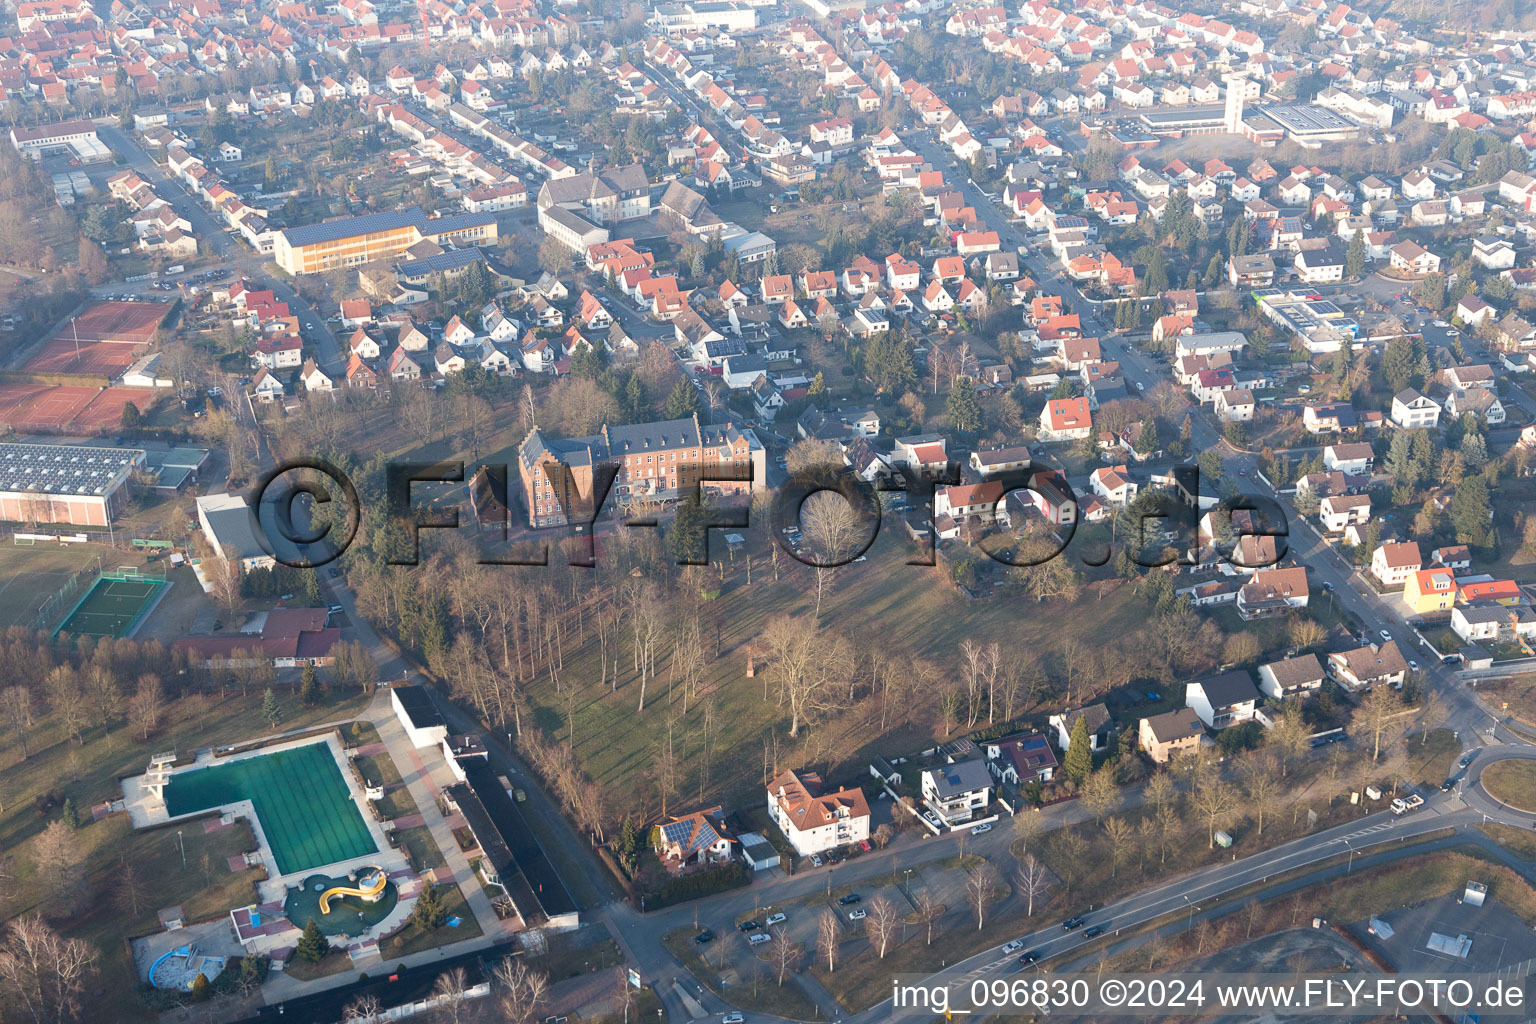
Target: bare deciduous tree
x: 783, y: 955
x: 42, y: 974
x: 928, y: 911
x: 828, y: 937
x: 1214, y: 800
x: 1034, y: 881
x: 980, y: 889
x: 365, y: 1009
x: 881, y: 923
x: 522, y: 991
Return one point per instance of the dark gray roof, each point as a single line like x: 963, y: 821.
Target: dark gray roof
x: 1228, y: 688
x: 328, y: 231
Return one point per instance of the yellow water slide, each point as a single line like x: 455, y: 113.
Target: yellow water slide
x: 369, y: 891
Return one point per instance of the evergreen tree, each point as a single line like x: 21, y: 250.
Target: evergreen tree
x: 1156, y: 280
x: 817, y: 392
x: 130, y: 418
x: 688, y: 536
x: 683, y: 401
x: 1397, y: 364
x: 1212, y: 272
x: 431, y: 909
x: 1354, y: 256
x: 1474, y: 451
x: 1078, y: 761
x: 964, y: 408
x: 201, y: 990
x: 68, y: 814
x: 313, y: 945
x: 634, y: 399
x: 1147, y: 440
x: 271, y: 711
x: 310, y: 690
x: 1469, y: 511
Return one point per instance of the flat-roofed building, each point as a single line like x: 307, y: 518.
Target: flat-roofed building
x: 353, y: 241
x: 65, y: 483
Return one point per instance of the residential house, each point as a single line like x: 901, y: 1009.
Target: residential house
x: 1020, y: 760
x: 959, y: 791
x: 1223, y: 700
x: 1273, y: 592
x: 1368, y: 666
x: 699, y: 839
x: 1291, y: 676
x: 1394, y: 561
x: 1101, y: 727
x: 1411, y: 410
x: 812, y: 821
x: 1488, y: 622
x: 1164, y: 737
x: 1430, y: 590
x: 1065, y: 419
x: 1337, y: 512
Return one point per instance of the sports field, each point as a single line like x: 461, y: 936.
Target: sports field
x: 116, y: 321
x: 47, y: 406
x: 65, y: 355
x: 304, y: 805
x: 112, y: 607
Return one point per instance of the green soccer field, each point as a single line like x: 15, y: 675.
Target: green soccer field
x: 112, y: 607
x: 304, y: 805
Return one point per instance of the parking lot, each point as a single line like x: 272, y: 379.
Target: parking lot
x: 1499, y: 938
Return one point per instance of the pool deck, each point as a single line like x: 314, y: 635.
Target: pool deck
x: 146, y: 810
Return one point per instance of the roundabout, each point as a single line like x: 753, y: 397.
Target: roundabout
x: 1512, y: 782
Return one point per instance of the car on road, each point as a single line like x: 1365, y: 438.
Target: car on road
x: 1029, y: 958
x: 1386, y: 635
x: 758, y: 939
x: 1014, y: 946
x: 1469, y: 756
x: 1413, y: 665
x: 750, y: 926
x: 731, y: 1018
x: 774, y: 919
x: 1445, y: 787
x: 849, y: 899
x: 704, y: 936
x: 1071, y: 924
x: 858, y: 915
x: 979, y: 829
x: 1094, y: 932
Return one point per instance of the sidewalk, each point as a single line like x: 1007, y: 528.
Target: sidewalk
x: 424, y: 790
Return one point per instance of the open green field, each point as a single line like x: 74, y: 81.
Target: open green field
x: 880, y: 601
x: 30, y: 575
x: 1512, y: 782
x: 87, y: 775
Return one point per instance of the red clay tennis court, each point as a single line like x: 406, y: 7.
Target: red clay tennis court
x: 132, y: 322
x: 62, y: 355
x: 50, y: 406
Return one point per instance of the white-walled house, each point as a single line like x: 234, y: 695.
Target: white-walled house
x: 813, y: 821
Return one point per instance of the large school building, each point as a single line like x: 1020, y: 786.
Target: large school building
x: 353, y: 241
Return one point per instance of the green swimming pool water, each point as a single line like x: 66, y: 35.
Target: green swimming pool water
x: 305, y: 806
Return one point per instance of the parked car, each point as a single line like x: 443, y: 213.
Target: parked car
x: 1386, y: 635
x: 979, y: 829
x: 774, y: 919
x: 750, y: 926
x: 857, y: 915
x: 848, y: 900
x: 864, y: 845
x: 704, y: 936
x: 815, y: 860
x: 758, y: 939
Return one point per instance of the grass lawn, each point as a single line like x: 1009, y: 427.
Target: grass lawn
x: 334, y: 962
x: 755, y: 989
x: 1431, y: 757
x: 412, y: 939
x: 1512, y: 783
x: 563, y: 961
x: 421, y: 848
x: 32, y: 574
x: 380, y: 770
x: 1514, y: 694
x: 88, y: 775
x: 204, y: 889
x: 1518, y: 841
